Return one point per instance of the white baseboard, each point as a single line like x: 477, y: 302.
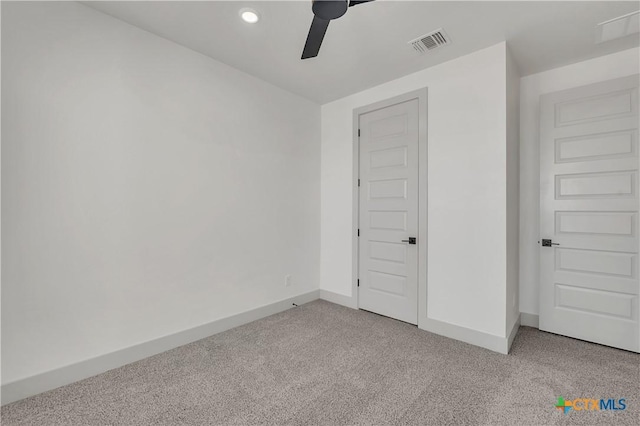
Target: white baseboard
x: 512, y: 333
x: 467, y: 335
x: 338, y: 299
x: 49, y: 380
x: 474, y: 337
x: 529, y: 320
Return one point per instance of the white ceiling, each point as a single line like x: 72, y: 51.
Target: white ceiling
x: 368, y: 45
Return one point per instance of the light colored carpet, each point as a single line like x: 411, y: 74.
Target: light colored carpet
x: 325, y: 364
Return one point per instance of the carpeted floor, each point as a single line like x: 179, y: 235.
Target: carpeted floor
x: 325, y: 364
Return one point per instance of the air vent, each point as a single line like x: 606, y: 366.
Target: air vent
x: 431, y: 41
x: 619, y: 27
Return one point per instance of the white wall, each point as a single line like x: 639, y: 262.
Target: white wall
x: 146, y: 189
x: 513, y: 190
x: 531, y: 87
x: 467, y: 172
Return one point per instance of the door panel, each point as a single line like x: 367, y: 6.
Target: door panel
x: 388, y: 267
x: 595, y: 301
x: 589, y: 207
x: 596, y: 147
x: 600, y: 107
x: 596, y: 185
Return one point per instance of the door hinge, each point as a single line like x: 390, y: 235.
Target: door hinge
x: 358, y: 182
x: 358, y: 232
x: 358, y: 283
x: 358, y: 132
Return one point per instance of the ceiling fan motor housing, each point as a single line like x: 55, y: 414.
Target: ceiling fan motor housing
x: 329, y: 9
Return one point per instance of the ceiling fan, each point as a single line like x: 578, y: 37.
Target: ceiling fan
x: 323, y: 12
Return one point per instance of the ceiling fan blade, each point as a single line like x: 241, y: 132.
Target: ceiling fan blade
x: 314, y: 39
x: 357, y: 2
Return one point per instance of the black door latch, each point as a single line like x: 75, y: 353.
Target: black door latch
x: 548, y: 243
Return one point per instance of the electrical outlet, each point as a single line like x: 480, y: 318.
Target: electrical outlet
x: 287, y: 280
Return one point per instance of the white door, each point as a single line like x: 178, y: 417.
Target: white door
x: 388, y: 222
x: 589, y: 212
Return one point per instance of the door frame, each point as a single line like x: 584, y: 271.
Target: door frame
x: 421, y: 96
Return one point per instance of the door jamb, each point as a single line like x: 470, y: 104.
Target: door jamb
x: 421, y: 96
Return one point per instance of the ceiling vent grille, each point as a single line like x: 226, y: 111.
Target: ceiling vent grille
x: 619, y: 27
x: 431, y: 41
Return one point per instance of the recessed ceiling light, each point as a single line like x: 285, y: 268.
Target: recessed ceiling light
x: 249, y: 15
